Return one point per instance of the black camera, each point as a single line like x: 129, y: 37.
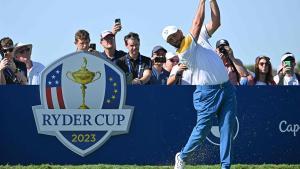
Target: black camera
x: 160, y: 59
x: 223, y: 50
x: 118, y: 20
x: 92, y: 46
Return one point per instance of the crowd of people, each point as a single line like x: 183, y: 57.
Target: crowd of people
x: 161, y: 68
x: 16, y: 66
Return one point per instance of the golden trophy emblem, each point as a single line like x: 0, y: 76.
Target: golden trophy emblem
x: 83, y: 76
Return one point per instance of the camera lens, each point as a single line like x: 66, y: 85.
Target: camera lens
x: 223, y: 50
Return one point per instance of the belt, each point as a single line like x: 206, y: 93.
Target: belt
x: 217, y: 86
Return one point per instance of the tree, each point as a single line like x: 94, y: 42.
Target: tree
x: 250, y: 67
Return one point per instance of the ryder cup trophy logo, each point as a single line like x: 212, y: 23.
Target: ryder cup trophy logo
x: 82, y: 102
x: 83, y: 77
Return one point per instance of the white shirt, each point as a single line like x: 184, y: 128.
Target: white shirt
x: 205, y: 64
x: 287, y: 80
x: 186, y: 75
x: 33, y: 74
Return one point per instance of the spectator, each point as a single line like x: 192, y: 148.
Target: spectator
x: 159, y: 75
x: 171, y: 60
x: 214, y: 95
x: 234, y: 66
x: 108, y: 42
x: 12, y: 71
x: 263, y: 71
x: 180, y: 74
x: 136, y: 66
x: 82, y: 42
x: 286, y: 73
x: 22, y: 53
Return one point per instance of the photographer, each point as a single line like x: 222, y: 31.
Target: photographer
x: 11, y: 70
x: 159, y: 75
x: 180, y: 74
x: 235, y: 68
x: 286, y: 72
x: 82, y: 42
x: 108, y: 43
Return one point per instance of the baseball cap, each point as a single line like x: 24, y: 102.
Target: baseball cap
x: 21, y: 45
x: 170, y: 55
x: 167, y: 31
x: 287, y: 55
x: 157, y: 48
x: 222, y: 42
x: 106, y: 33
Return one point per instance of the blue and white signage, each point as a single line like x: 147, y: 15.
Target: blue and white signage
x: 82, y: 102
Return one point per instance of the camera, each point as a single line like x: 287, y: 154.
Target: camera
x: 160, y: 59
x: 2, y: 54
x: 92, y: 46
x: 118, y: 20
x: 223, y: 50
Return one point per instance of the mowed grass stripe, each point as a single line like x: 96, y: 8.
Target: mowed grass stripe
x: 100, y: 166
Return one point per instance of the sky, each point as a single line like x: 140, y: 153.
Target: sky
x: 252, y: 27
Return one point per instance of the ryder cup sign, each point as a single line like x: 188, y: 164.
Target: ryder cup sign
x: 82, y: 102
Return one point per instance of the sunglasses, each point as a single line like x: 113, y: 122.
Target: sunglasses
x: 289, y: 59
x: 264, y: 63
x: 22, y: 51
x: 7, y: 50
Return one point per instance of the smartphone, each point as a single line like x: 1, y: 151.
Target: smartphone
x: 2, y: 54
x: 118, y: 20
x: 288, y: 63
x: 93, y: 46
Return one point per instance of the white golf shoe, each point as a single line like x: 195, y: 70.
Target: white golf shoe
x: 179, y: 163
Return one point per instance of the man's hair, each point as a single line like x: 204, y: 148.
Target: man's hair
x: 82, y: 35
x: 6, y: 42
x: 131, y: 35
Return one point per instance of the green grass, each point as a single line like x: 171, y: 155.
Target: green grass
x: 238, y: 166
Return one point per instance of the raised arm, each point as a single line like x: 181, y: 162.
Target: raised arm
x: 237, y: 62
x: 198, y: 20
x: 116, y: 28
x: 215, y: 22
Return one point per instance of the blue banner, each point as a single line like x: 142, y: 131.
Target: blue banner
x: 267, y: 132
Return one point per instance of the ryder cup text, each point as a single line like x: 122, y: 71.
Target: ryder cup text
x: 82, y: 119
